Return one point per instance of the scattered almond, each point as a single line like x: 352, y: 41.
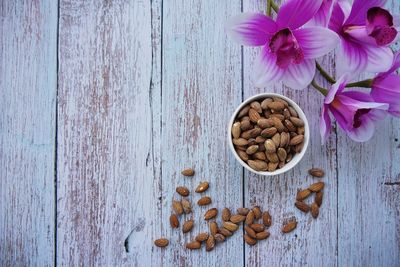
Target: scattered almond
x: 204, y: 201
x: 187, y: 206
x: 250, y: 231
x: 262, y: 235
x: 302, y: 206
x: 188, y: 172
x: 267, y: 220
x: 173, y: 220
x: 226, y: 214
x: 230, y: 226
x: 243, y: 211
x: 161, y: 242
x: 318, y: 198
x: 316, y: 172
x: 219, y: 237
x: 177, y: 207
x: 211, y: 213
x: 314, y: 210
x: 250, y: 217
x: 303, y: 194
x: 193, y: 245
x: 225, y: 232
x: 210, y: 243
x: 257, y: 212
x: 187, y: 226
x: 183, y: 191
x: 201, y: 237
x: 213, y: 228
x: 316, y: 187
x: 237, y: 218
x: 290, y: 226
x: 202, y: 187
x: 250, y: 241
x: 257, y: 227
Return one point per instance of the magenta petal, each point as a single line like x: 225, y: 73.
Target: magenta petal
x: 299, y: 76
x: 358, y: 14
x: 295, y: 13
x: 251, y: 29
x: 364, y: 132
x: 316, y: 41
x: 360, y: 35
x: 351, y: 58
x: 323, y: 15
x: 387, y: 90
x: 360, y: 100
x: 266, y: 71
x: 395, y: 65
x: 338, y: 87
x: 325, y: 124
x: 339, y: 12
x: 380, y: 59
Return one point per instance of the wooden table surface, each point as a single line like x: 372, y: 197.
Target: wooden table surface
x: 102, y: 103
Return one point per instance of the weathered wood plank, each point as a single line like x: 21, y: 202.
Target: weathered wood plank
x: 314, y: 242
x: 28, y: 86
x: 201, y: 88
x: 108, y: 180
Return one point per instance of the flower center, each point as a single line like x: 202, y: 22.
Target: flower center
x: 357, y: 117
x: 286, y: 48
x: 380, y: 26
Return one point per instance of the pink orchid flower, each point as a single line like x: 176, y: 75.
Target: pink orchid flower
x: 355, y: 112
x: 323, y: 15
x: 386, y: 87
x: 288, y: 51
x: 366, y: 30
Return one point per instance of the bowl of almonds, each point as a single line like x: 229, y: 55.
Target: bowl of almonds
x: 268, y: 134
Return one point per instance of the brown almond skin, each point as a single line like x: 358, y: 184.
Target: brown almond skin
x: 210, y: 243
x: 257, y: 227
x: 219, y: 237
x: 316, y: 187
x: 243, y: 112
x: 242, y: 154
x: 187, y: 226
x: 265, y: 123
x: 318, y: 198
x: 230, y: 226
x: 237, y: 218
x: 188, y: 172
x: 250, y: 231
x: 316, y: 172
x: 288, y: 227
x: 269, y: 132
x: 264, y: 103
x: 201, y: 237
x: 314, y: 210
x: 240, y: 142
x: 252, y: 149
x: 173, y: 220
x: 260, y: 155
x: 202, y: 187
x: 187, y: 206
x: 258, y: 165
x: 243, y: 211
x: 276, y: 105
x: 204, y: 201
x: 303, y: 194
x: 250, y: 217
x: 183, y: 191
x: 297, y: 122
x: 245, y: 125
x: 226, y: 214
x: 267, y: 220
x: 296, y: 140
x: 257, y: 212
x: 177, y: 207
x: 302, y: 206
x: 254, y: 115
x: 262, y: 235
x: 211, y: 213
x: 213, y: 228
x: 236, y: 131
x: 225, y: 232
x: 193, y: 245
x: 257, y: 106
x: 250, y: 241
x: 161, y: 242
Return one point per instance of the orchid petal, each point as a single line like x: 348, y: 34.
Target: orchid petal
x: 358, y: 14
x: 340, y: 11
x: 266, y: 71
x: 360, y: 35
x: 351, y: 58
x: 295, y: 13
x: 338, y: 87
x: 360, y: 100
x: 323, y: 15
x: 299, y: 76
x: 362, y: 133
x: 380, y: 59
x: 316, y: 41
x: 325, y: 124
x: 395, y: 64
x: 251, y: 29
x: 387, y: 90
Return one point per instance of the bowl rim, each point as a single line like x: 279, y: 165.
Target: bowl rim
x: 296, y: 159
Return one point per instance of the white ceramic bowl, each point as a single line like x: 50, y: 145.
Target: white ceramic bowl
x: 296, y: 159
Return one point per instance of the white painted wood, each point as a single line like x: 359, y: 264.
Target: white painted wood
x: 314, y: 242
x: 201, y: 87
x: 28, y: 84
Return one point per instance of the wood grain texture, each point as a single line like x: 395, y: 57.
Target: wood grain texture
x: 28, y: 84
x: 106, y: 178
x: 201, y: 88
x: 314, y: 242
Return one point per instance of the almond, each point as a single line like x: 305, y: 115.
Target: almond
x: 265, y: 123
x: 318, y: 198
x: 245, y: 125
x: 278, y: 124
x: 213, y: 228
x: 210, y: 243
x: 161, y: 242
x: 267, y: 220
x: 303, y: 194
x: 316, y: 187
x: 278, y: 116
x: 276, y: 105
x: 252, y: 149
x: 202, y: 187
x: 242, y: 154
x: 302, y: 206
x: 254, y: 115
x: 225, y: 232
x: 237, y: 218
x: 297, y: 122
x: 285, y: 137
x: 272, y: 157
x: 193, y: 245
x: 259, y: 155
x: 204, y: 201
x: 289, y: 125
x: 256, y: 106
x: 272, y: 166
x: 211, y: 213
x: 296, y: 140
x: 286, y: 113
x: 173, y: 220
x: 264, y: 103
x: 255, y: 132
x: 187, y: 226
x: 187, y: 206
x: 250, y: 217
x: 246, y: 134
x: 314, y: 210
x: 250, y: 241
x: 290, y: 226
x: 219, y: 237
x: 299, y: 147
x: 244, y: 111
x: 236, y: 131
x: 258, y: 165
x: 257, y: 227
x: 202, y: 237
x: 260, y: 140
x: 293, y: 112
x: 301, y: 130
x: 226, y: 214
x: 230, y: 226
x: 276, y: 139
x: 262, y: 235
x: 240, y: 142
x: 269, y: 132
x: 250, y: 232
x: 269, y: 146
x: 316, y: 172
x: 183, y: 191
x: 188, y: 172
x: 278, y: 99
x: 243, y: 211
x: 281, y: 154
x: 177, y: 207
x: 257, y: 212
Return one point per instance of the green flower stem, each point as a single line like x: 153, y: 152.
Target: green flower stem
x: 269, y: 10
x: 365, y: 84
x: 324, y: 73
x: 274, y: 6
x: 319, y: 88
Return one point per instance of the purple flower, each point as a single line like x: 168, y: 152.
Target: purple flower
x: 386, y: 87
x: 288, y: 51
x: 323, y: 15
x: 366, y: 30
x: 355, y: 112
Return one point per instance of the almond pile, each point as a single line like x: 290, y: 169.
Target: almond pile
x: 268, y: 134
x: 255, y: 221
